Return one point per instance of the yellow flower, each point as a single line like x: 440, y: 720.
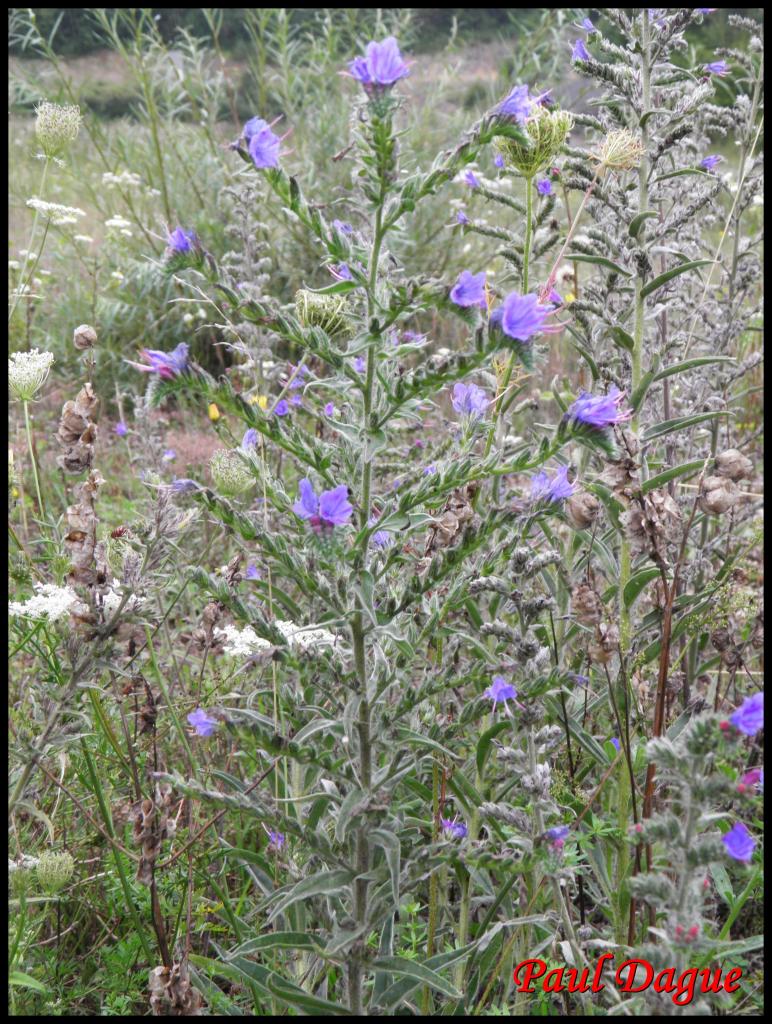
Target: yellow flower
x: 262, y: 401
x: 569, y: 297
x: 214, y: 412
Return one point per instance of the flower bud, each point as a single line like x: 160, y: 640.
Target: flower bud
x: 56, y: 127
x: 330, y: 312
x: 230, y: 473
x: 582, y: 509
x: 84, y: 337
x: 547, y: 131
x: 733, y: 464
x: 717, y: 495
x: 54, y: 871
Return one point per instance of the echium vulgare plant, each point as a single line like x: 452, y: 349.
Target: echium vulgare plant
x: 444, y: 621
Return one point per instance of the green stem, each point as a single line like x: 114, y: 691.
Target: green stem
x: 625, y: 561
x: 22, y: 280
x: 28, y: 428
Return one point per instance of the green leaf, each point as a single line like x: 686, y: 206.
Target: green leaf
x: 275, y: 940
x: 298, y: 997
x: 682, y: 268
x: 691, y: 364
x: 636, y: 584
x: 622, y: 338
x: 354, y: 802
x: 678, y: 174
x: 484, y: 744
x: 637, y: 222
x: 22, y: 980
x: 723, y: 884
x: 324, y: 883
x: 418, y: 972
x: 408, y: 736
x: 389, y: 843
x: 669, y: 426
x: 644, y: 384
x: 600, y: 261
x: 685, y: 469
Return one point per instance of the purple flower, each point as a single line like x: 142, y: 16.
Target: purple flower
x: 471, y: 179
x: 579, y: 51
x: 380, y: 68
x: 455, y: 829
x: 498, y: 160
x: 615, y: 743
x: 521, y: 316
x: 184, y: 486
x: 250, y: 439
x: 559, y: 832
x: 753, y: 777
x: 297, y: 375
x: 518, y: 104
x: 252, y: 573
x: 555, y: 297
x: 461, y: 217
x: 281, y: 408
x: 166, y: 364
x: 469, y: 400
x: 717, y: 67
x: 202, y: 723
x: 749, y: 717
x: 587, y: 25
x: 341, y: 272
x: 329, y: 409
x: 469, y: 289
x: 381, y: 538
x: 331, y: 508
x: 556, y: 489
x: 544, y: 187
x: 262, y: 143
x: 296, y: 399
x: 360, y: 364
x: 277, y: 839
x: 121, y: 429
x: 739, y: 843
x: 711, y: 162
x: 343, y: 227
x: 169, y: 455
x: 500, y: 690
x: 180, y: 241
x: 429, y: 470
x: 413, y: 338
x: 578, y: 679
x: 599, y: 411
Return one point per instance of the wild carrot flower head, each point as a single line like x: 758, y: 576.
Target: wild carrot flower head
x: 739, y: 843
x: 28, y: 372
x: 331, y: 508
x: 56, y: 126
x: 469, y: 289
x: 166, y: 364
x: 381, y: 67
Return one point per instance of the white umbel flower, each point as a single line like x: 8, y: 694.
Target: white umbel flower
x: 49, y: 602
x: 54, y: 210
x: 241, y: 643
x: 27, y: 373
x: 305, y: 638
x: 56, y: 126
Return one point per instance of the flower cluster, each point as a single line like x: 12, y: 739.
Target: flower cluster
x: 28, y: 372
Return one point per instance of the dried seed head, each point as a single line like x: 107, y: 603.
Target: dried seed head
x: 620, y: 150
x: 54, y: 871
x: 586, y: 605
x: 547, y: 131
x: 717, y: 495
x: 582, y: 509
x: 733, y: 464
x: 606, y: 643
x: 650, y: 527
x: 621, y: 476
x: 330, y: 312
x: 84, y: 337
x: 56, y: 127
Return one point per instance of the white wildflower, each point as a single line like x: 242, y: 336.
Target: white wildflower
x: 127, y: 233
x: 13, y: 265
x: 56, y: 126
x: 53, y: 210
x: 24, y: 863
x: 49, y: 601
x: 117, y: 275
x: 305, y: 638
x: 126, y: 179
x: 117, y: 222
x: 27, y: 373
x: 241, y: 643
x: 111, y: 602
x: 86, y: 239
